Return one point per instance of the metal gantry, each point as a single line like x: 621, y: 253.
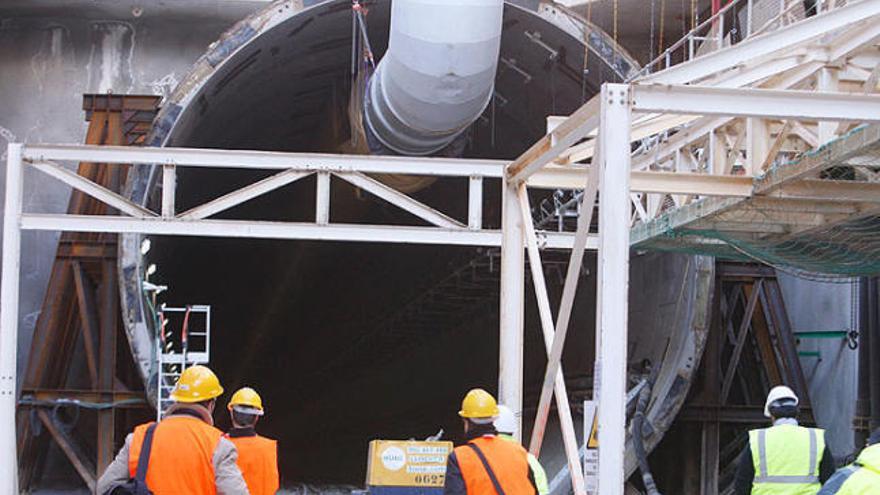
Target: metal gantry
x: 680, y: 120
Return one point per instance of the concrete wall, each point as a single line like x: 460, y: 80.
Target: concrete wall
x: 49, y: 58
x: 832, y: 376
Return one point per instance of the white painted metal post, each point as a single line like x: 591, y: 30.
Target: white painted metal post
x: 828, y: 81
x: 169, y: 189
x: 757, y: 144
x: 569, y: 438
x: 322, y: 198
x: 475, y: 203
x: 9, y: 318
x: 510, y: 352
x: 613, y: 288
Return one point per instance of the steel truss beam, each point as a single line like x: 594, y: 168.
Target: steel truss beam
x: 398, y: 234
x: 751, y: 102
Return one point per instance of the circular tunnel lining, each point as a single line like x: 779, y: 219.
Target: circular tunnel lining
x: 349, y: 342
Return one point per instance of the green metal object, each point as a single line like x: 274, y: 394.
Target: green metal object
x: 809, y: 354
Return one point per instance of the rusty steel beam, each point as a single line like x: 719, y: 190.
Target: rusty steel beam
x: 86, y: 250
x: 82, y: 296
x: 786, y: 342
x: 107, y: 373
x: 71, y: 449
x: 740, y: 340
x: 761, y: 331
x: 126, y: 399
x: 725, y: 414
x: 88, y: 318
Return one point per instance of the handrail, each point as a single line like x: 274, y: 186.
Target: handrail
x: 718, y: 18
x: 684, y: 39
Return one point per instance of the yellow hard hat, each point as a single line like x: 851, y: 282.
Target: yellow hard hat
x: 196, y: 384
x: 249, y: 401
x: 478, y: 404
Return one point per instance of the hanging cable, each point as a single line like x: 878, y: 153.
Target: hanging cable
x: 660, y: 47
x: 651, y: 35
x: 184, y: 334
x: 588, y: 27
x: 616, y: 2
x: 684, y: 28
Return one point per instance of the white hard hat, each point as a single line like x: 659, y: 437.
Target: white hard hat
x: 779, y: 392
x: 506, y: 420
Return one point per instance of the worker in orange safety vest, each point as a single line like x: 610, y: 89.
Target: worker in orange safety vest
x: 487, y: 463
x: 184, y: 452
x: 257, y: 455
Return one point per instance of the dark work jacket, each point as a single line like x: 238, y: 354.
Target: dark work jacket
x: 745, y: 470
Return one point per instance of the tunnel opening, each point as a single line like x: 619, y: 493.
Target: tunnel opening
x: 349, y: 342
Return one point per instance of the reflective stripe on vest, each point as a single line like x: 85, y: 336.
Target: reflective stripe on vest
x: 865, y: 480
x: 181, y: 460
x: 508, y: 460
x: 790, y: 456
x: 258, y: 462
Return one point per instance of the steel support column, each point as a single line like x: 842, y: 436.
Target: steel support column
x: 106, y: 442
x: 613, y: 289
x: 510, y: 348
x: 9, y: 318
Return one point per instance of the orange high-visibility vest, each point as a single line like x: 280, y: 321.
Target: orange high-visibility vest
x: 182, y: 456
x: 258, y: 461
x: 508, y: 460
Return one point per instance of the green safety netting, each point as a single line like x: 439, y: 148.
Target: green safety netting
x: 821, y: 239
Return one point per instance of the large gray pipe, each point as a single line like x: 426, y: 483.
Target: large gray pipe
x: 438, y: 73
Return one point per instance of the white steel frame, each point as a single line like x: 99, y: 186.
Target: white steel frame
x: 601, y: 130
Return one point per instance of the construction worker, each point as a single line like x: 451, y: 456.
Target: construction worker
x: 187, y: 454
x: 257, y: 455
x: 506, y: 426
x: 862, y: 477
x: 785, y: 458
x: 487, y: 464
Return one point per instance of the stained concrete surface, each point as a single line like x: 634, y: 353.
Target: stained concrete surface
x: 47, y: 63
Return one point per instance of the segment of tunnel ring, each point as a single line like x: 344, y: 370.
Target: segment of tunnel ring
x: 228, y: 87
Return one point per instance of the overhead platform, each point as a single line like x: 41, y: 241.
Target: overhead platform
x: 766, y: 150
x: 818, y: 213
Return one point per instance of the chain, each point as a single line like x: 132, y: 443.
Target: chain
x: 662, y: 23
x: 615, y: 20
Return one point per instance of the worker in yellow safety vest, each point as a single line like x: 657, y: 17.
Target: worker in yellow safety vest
x: 486, y: 464
x: 257, y: 455
x: 785, y: 459
x: 506, y: 426
x: 862, y: 477
x: 182, y: 453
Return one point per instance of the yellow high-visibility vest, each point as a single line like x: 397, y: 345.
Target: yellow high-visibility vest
x: 786, y: 459
x: 865, y: 479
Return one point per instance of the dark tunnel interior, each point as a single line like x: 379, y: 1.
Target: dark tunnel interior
x: 349, y: 342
